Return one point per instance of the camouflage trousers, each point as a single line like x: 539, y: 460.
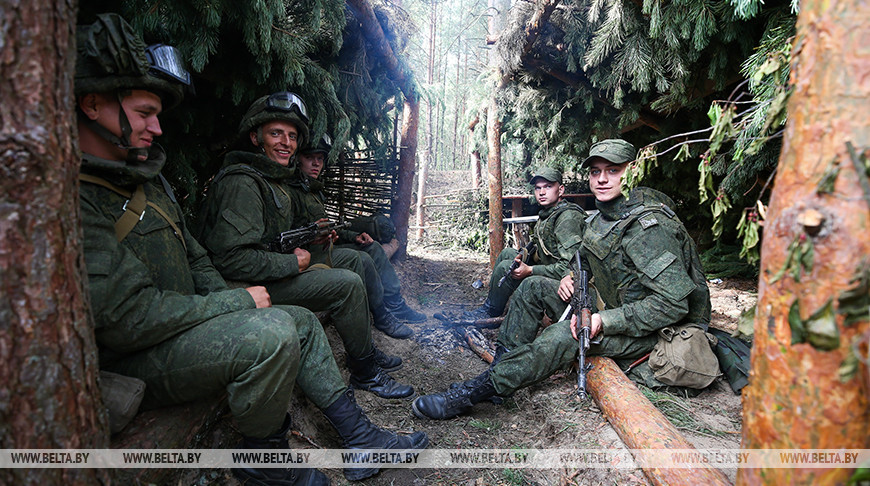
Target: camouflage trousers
x: 499, y: 296
x: 531, y: 358
x: 255, y: 356
x: 384, y: 277
x: 338, y: 290
x: 360, y: 263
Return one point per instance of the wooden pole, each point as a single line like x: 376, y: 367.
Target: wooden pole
x: 407, y: 161
x: 641, y: 425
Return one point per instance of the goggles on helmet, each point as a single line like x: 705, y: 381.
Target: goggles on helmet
x: 166, y: 61
x: 287, y: 101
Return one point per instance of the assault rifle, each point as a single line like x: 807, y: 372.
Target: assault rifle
x: 289, y: 240
x: 524, y: 254
x: 581, y: 306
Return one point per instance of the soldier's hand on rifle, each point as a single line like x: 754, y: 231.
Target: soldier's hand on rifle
x: 522, y: 271
x: 324, y: 238
x: 566, y: 288
x: 261, y: 296
x: 303, y: 257
x: 594, y: 328
x: 363, y: 239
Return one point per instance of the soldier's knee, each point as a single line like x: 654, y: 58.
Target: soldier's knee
x: 267, y: 333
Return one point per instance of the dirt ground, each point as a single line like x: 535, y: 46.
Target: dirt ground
x: 546, y: 416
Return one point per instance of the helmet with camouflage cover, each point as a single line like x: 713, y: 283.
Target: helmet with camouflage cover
x: 284, y: 106
x: 112, y: 57
x: 324, y: 145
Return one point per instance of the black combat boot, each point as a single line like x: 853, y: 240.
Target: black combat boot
x: 399, y: 308
x: 485, y: 311
x: 387, y: 362
x: 366, y: 374
x: 454, y: 401
x: 277, y: 476
x: 387, y: 323
x: 357, y: 432
x: 495, y: 399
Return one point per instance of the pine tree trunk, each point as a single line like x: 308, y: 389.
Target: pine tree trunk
x: 48, y: 381
x: 805, y: 390
x: 493, y: 138
x: 407, y: 161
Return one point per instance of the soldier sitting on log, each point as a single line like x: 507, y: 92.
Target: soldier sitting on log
x: 558, y: 234
x: 162, y: 312
x: 250, y: 204
x: 646, y: 271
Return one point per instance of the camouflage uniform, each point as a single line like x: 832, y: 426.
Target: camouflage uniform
x: 646, y: 271
x: 307, y: 196
x: 558, y: 234
x: 164, y: 314
x: 249, y: 204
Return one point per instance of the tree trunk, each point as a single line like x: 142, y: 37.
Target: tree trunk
x: 48, y: 381
x: 401, y: 207
x: 493, y: 137
x: 806, y: 389
x: 407, y: 155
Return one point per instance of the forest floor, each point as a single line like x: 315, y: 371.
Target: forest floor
x: 545, y: 416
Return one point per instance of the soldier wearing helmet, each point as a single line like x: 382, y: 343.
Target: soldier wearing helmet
x: 647, y: 273
x: 380, y: 272
x: 251, y: 201
x: 162, y: 312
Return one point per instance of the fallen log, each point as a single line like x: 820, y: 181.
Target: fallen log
x: 641, y: 425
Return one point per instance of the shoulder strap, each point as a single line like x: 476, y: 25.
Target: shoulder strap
x: 256, y: 175
x: 134, y: 208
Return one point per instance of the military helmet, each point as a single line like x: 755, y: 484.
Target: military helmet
x: 323, y: 145
x: 283, y: 105
x: 112, y: 56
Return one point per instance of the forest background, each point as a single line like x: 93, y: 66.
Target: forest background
x: 700, y: 84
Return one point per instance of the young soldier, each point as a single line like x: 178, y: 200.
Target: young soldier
x: 250, y: 203
x: 162, y: 312
x: 558, y: 234
x: 646, y: 270
x: 383, y: 280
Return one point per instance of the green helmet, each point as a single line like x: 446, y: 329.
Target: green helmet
x: 112, y: 57
x: 283, y: 105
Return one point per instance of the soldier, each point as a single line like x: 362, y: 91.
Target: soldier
x: 162, y: 313
x: 250, y: 202
x: 646, y: 270
x: 558, y: 234
x: 381, y: 278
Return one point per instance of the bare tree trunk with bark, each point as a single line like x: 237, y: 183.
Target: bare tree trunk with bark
x: 48, y: 381
x: 407, y: 162
x: 806, y: 389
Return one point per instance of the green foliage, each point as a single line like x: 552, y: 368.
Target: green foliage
x: 239, y: 51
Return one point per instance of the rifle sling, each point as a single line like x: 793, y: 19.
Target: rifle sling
x: 134, y: 209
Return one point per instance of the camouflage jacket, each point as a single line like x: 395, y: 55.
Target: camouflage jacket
x: 248, y: 205
x: 558, y: 234
x: 645, y: 265
x: 148, y: 287
x: 308, y: 197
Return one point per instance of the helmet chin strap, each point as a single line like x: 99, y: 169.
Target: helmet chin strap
x: 134, y: 154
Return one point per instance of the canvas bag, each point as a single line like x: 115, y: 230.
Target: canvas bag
x: 683, y: 356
